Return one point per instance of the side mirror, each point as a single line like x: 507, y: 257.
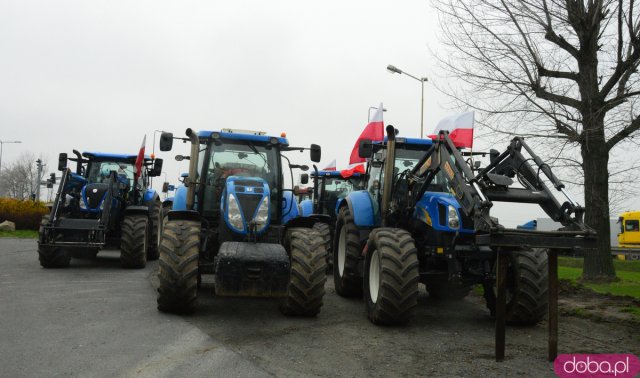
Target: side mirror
x: 316, y: 153
x: 296, y: 190
x: 182, y: 157
x: 62, y: 161
x: 165, y: 187
x: 166, y: 141
x: 304, y: 178
x: 365, y: 148
x: 157, y: 168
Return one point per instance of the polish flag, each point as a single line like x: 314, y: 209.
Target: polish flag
x: 140, y: 158
x: 353, y: 168
x: 460, y: 128
x: 331, y: 166
x: 374, y: 131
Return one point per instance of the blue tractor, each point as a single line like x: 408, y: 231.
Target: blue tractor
x: 234, y: 218
x: 425, y: 219
x: 329, y: 188
x: 101, y: 205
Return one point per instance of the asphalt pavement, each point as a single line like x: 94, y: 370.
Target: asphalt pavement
x: 95, y: 319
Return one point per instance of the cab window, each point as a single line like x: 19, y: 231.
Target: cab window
x: 632, y: 226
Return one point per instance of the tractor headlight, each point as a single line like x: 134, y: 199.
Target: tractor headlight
x: 454, y: 220
x: 234, y: 215
x: 262, y: 215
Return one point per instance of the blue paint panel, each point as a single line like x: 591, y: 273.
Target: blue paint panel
x: 429, y: 204
x: 410, y: 141
x: 339, y: 203
x: 93, y: 210
x: 334, y: 174
x: 289, y: 207
x: 148, y: 195
x: 362, y: 208
x: 180, y: 199
x: 240, y: 136
x: 306, y: 208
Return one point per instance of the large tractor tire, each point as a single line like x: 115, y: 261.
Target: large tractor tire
x: 325, y: 232
x: 178, y: 272
x: 346, y: 256
x: 526, y: 287
x: 134, y: 242
x: 51, y: 257
x: 305, y: 290
x: 390, y: 276
x: 155, y: 216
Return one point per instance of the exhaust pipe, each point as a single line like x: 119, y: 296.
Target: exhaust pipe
x: 193, y: 167
x: 388, y: 173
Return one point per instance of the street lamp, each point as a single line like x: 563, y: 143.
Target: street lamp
x: 369, y: 112
x: 2, y: 142
x: 394, y: 69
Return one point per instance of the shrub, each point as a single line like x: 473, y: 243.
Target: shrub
x: 25, y: 214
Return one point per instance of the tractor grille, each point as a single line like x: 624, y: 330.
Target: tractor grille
x: 94, y: 194
x: 442, y: 214
x: 249, y: 203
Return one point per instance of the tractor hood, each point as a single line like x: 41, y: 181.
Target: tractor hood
x: 440, y: 210
x: 93, y: 196
x: 246, y: 205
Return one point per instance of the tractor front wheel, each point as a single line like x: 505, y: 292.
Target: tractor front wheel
x: 155, y: 215
x: 390, y: 276
x: 325, y: 232
x: 526, y: 287
x: 178, y: 266
x: 305, y: 290
x: 346, y: 256
x: 51, y: 257
x: 134, y: 243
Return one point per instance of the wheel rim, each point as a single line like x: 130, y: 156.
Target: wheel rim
x: 342, y: 246
x: 374, y: 276
x: 158, y: 225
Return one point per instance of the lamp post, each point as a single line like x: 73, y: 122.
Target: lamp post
x: 369, y: 112
x: 2, y: 142
x: 394, y: 69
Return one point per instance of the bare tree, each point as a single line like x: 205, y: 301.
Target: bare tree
x: 19, y: 178
x: 564, y: 70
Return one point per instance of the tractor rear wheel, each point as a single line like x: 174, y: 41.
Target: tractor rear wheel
x: 155, y: 215
x: 325, y: 232
x: 305, y: 290
x: 527, y: 287
x: 178, y: 267
x: 135, y: 241
x: 346, y: 256
x: 390, y: 276
x: 51, y: 257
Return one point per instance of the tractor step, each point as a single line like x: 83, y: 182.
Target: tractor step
x: 251, y: 270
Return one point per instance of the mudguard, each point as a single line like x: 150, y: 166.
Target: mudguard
x: 362, y: 208
x: 289, y: 207
x: 188, y: 215
x: 149, y: 195
x: 136, y: 210
x: 180, y: 199
x: 306, y: 208
x: 426, y: 210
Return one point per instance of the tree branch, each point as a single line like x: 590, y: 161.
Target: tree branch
x: 625, y: 132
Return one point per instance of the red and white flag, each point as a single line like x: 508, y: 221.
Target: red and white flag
x: 331, y: 166
x: 374, y: 131
x: 460, y: 127
x: 140, y: 158
x: 353, y: 168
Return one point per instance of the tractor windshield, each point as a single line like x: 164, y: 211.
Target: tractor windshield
x: 99, y: 171
x: 238, y: 158
x: 333, y: 188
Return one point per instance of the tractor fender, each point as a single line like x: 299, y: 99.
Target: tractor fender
x: 304, y: 222
x: 136, y: 210
x: 187, y: 215
x: 306, y: 208
x: 149, y: 195
x: 289, y: 207
x: 168, y: 202
x: 180, y: 198
x: 361, y: 206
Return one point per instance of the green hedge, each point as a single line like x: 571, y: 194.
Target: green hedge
x: 25, y: 214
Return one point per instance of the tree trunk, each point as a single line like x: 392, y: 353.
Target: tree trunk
x: 598, y: 263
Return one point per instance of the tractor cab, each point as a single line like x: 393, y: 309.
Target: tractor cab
x: 629, y: 235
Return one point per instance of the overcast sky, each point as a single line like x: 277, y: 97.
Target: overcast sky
x: 99, y: 75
